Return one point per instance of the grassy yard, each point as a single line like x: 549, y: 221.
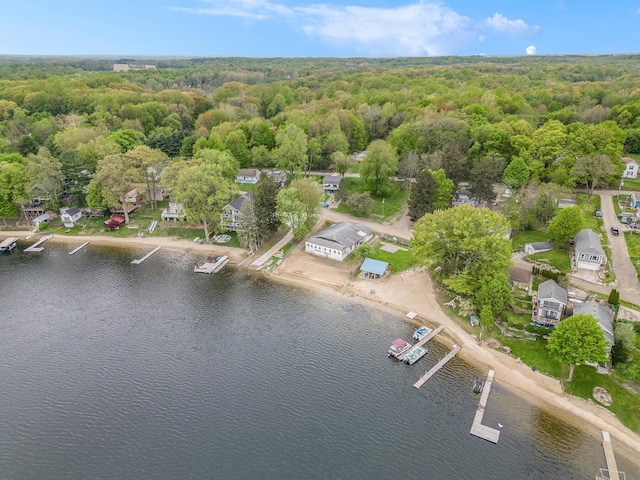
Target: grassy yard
x: 535, y: 353
x: 393, y: 203
x: 399, y: 261
x: 625, y: 404
x: 589, y: 211
x: 519, y: 239
x: 556, y: 258
x: 633, y: 246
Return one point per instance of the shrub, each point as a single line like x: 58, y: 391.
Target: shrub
x: 530, y: 328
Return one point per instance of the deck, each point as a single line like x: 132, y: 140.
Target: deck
x: 477, y: 429
x: 140, y: 260
x: 422, y: 342
x: 8, y: 244
x: 212, y: 267
x: 437, y: 367
x: 36, y: 246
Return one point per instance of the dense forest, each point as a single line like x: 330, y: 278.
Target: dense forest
x: 71, y: 127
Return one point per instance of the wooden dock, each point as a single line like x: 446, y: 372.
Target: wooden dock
x: 36, y: 246
x: 79, y: 248
x: 477, y: 429
x: 431, y: 334
x: 437, y: 366
x: 212, y: 267
x: 8, y: 244
x: 140, y: 260
x: 612, y: 467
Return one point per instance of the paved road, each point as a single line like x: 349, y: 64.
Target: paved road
x: 626, y: 275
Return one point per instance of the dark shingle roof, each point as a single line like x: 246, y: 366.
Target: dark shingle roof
x: 550, y: 290
x: 588, y: 241
x: 237, y: 203
x: 341, y: 235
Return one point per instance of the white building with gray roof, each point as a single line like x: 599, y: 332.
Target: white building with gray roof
x: 549, y: 304
x: 588, y: 252
x: 603, y: 314
x: 338, y: 241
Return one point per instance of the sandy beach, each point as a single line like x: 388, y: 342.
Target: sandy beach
x: 400, y: 293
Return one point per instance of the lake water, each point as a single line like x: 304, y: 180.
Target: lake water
x: 114, y: 371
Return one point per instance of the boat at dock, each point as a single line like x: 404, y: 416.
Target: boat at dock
x: 421, y: 332
x: 8, y: 244
x: 478, y: 385
x: 413, y: 355
x: 398, y: 347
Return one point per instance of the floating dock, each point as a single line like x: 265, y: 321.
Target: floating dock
x: 437, y: 367
x: 8, y: 244
x: 477, y: 429
x: 212, y: 267
x: 79, y: 248
x: 611, y: 473
x: 140, y: 260
x: 422, y: 342
x: 36, y: 246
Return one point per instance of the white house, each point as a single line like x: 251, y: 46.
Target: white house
x: 338, y: 241
x: 175, y: 212
x: 537, y: 247
x: 248, y: 175
x: 331, y: 183
x: 630, y: 167
x: 588, y: 252
x: 70, y: 216
x: 549, y: 304
x: 231, y: 217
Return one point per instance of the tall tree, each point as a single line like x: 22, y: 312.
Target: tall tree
x: 484, y: 174
x: 341, y: 162
x: 593, y: 171
x: 264, y: 197
x: 445, y: 189
x: 495, y: 294
x: 291, y: 149
x: 310, y: 194
x: 578, y: 339
x: 204, y: 190
x: 408, y: 168
x: 117, y: 174
x: 464, y: 246
x: 45, y: 174
x: 378, y: 166
x: 249, y: 232
x: 566, y: 224
x: 516, y: 173
x: 292, y: 212
x: 423, y: 195
x: 14, y: 187
x: 151, y: 162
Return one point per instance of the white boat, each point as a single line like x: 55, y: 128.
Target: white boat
x: 415, y: 354
x: 398, y: 347
x: 421, y: 332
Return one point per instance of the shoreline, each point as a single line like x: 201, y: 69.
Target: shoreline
x: 398, y: 294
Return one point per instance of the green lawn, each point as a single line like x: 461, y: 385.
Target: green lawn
x: 556, y: 258
x: 399, y: 261
x: 519, y: 239
x: 535, y: 353
x: 393, y: 203
x: 631, y: 185
x: 589, y: 211
x: 633, y: 246
x: 625, y: 405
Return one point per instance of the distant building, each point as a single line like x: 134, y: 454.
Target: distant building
x: 537, y: 247
x: 248, y: 175
x: 175, y: 212
x: 125, y: 67
x: 279, y: 177
x: 567, y: 201
x: 630, y: 167
x: 338, y: 241
x: 464, y: 197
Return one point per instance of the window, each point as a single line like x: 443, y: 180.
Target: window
x: 594, y: 258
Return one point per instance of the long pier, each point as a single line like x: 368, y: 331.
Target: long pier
x: 140, y: 260
x: 79, y: 248
x: 437, y: 366
x: 429, y: 336
x: 477, y: 429
x: 36, y: 246
x: 612, y: 466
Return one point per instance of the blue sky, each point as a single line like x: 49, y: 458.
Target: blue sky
x: 312, y: 28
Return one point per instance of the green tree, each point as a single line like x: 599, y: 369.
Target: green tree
x: 361, y: 203
x: 614, y: 297
x: 117, y: 174
x: 486, y: 316
x: 341, y: 162
x: 126, y: 139
x: 45, y: 175
x: 14, y: 187
x: 264, y: 197
x: 484, y: 174
x: 292, y: 212
x: 566, y: 224
x: 378, y: 166
x: 578, y: 339
x: 310, y: 194
x: 516, y: 173
x: 445, y: 189
x: 495, y: 294
x: 464, y: 246
x: 422, y: 198
x: 236, y: 143
x: 625, y: 338
x: 204, y: 190
x: 291, y: 149
x: 249, y: 232
x: 593, y: 171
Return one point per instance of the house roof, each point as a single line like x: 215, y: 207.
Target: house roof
x: 541, y: 246
x: 588, y: 241
x: 237, y: 203
x: 601, y: 313
x: 331, y: 179
x: 550, y: 290
x: 374, y: 266
x: 341, y: 235
x: 71, y: 211
x: 628, y: 160
x: 248, y: 172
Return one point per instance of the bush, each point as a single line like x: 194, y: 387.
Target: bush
x: 614, y: 297
x: 362, y: 203
x: 530, y: 328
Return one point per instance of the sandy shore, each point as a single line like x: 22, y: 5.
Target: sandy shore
x: 399, y: 294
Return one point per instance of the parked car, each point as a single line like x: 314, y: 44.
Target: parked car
x: 598, y: 213
x: 615, y: 232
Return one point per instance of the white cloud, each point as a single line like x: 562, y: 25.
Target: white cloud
x: 531, y: 50
x: 426, y: 27
x: 500, y: 23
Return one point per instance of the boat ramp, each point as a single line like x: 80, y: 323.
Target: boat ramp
x: 477, y: 429
x: 140, y: 260
x: 212, y: 267
x: 437, y: 367
x: 36, y: 246
x: 8, y: 244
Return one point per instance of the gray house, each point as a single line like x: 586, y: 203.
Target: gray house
x: 338, y: 241
x: 588, y: 252
x: 603, y: 314
x: 331, y: 183
x: 537, y: 247
x: 231, y: 217
x: 549, y: 305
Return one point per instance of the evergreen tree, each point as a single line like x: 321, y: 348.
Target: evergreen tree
x: 423, y: 195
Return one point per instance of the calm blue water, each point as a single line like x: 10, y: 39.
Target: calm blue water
x: 114, y: 371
